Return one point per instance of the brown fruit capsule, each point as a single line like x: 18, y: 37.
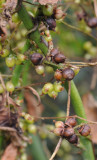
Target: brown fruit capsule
x: 73, y: 139
x: 59, y: 58
x: 69, y: 131
x: 54, y: 52
x: 36, y: 58
x: 59, y: 124
x: 92, y: 23
x: 59, y: 131
x: 71, y: 122
x: 68, y: 74
x: 59, y: 13
x: 84, y: 130
x: 58, y: 75
x: 51, y: 23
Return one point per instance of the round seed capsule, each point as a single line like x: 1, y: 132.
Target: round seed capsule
x: 69, y: 131
x: 84, y: 130
x: 36, y: 58
x: 92, y: 22
x: 54, y: 52
x: 47, y: 88
x: 21, y: 57
x: 59, y: 124
x: 59, y: 14
x: 5, y: 53
x: 68, y: 74
x: 51, y: 23
x: 9, y: 86
x: 58, y: 75
x: 48, y: 10
x: 71, y: 122
x: 10, y: 61
x: 59, y: 58
x: 53, y: 94
x: 32, y: 128
x: 73, y: 139
x: 40, y: 69
x: 58, y: 87
x: 58, y: 131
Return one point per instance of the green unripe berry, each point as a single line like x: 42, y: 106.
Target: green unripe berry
x: 48, y: 10
x: 18, y: 37
x: 47, y: 88
x: 17, y: 61
x: 40, y: 70
x: 10, y: 61
x: 93, y: 51
x: 87, y: 45
x: 53, y: 94
x: 49, y: 69
x: 47, y: 33
x: 58, y: 87
x: 32, y: 128
x: 36, y: 11
x: 23, y: 125
x: 1, y: 89
x: 9, y: 86
x: 48, y: 38
x: 88, y: 29
x: 23, y: 32
x: 21, y: 57
x: 15, y: 18
x: 5, y: 53
x: 28, y: 118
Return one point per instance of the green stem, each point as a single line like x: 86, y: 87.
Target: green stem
x: 25, y: 73
x: 76, y: 101
x: 35, y: 35
x: 18, y: 69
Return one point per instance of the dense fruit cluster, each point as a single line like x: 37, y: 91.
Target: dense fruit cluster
x: 67, y: 130
x: 91, y: 22
x: 65, y: 74
x: 10, y: 58
x: 56, y: 56
x: 52, y: 89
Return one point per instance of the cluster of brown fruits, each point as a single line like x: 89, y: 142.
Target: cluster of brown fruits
x: 66, y: 130
x: 56, y: 57
x: 53, y: 13
x: 65, y: 74
x: 91, y: 22
x: 49, y: 14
